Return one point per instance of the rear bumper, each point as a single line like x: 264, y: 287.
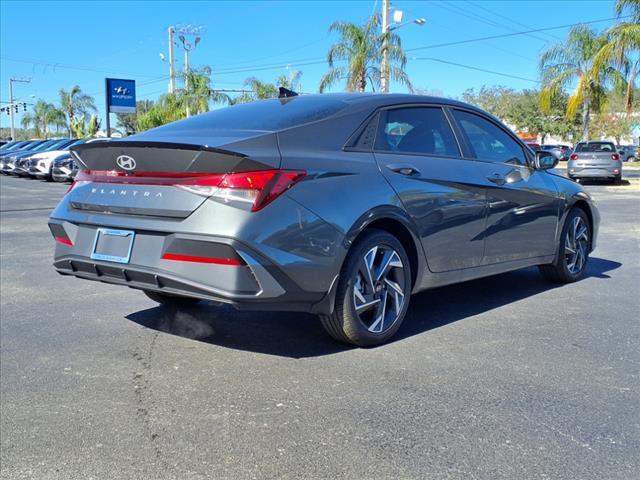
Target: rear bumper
x: 586, y: 172
x: 256, y: 283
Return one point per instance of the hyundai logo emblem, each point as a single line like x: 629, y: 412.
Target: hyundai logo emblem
x: 121, y: 90
x: 126, y: 162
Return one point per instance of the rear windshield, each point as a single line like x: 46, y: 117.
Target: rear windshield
x: 596, y: 147
x: 267, y: 115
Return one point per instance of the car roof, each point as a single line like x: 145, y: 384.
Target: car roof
x: 386, y: 99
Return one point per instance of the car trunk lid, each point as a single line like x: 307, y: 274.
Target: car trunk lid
x: 143, y: 176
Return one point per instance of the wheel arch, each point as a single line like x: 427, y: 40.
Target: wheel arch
x: 395, y: 221
x: 582, y: 201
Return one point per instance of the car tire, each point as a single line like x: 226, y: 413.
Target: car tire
x: 373, y: 291
x: 573, y: 250
x: 171, y: 300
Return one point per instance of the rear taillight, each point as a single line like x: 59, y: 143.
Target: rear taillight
x: 615, y: 156
x: 247, y: 189
x: 573, y: 157
x: 256, y: 188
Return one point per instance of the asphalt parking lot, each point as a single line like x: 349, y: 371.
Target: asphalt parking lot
x: 502, y: 378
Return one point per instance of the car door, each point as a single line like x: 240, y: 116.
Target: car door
x: 523, y: 203
x: 417, y: 151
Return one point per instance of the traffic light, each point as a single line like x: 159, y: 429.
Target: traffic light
x: 16, y: 108
x: 24, y: 107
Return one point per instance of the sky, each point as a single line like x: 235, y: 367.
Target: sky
x: 58, y: 44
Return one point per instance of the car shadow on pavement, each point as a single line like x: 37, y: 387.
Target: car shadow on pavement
x: 300, y: 335
x: 441, y: 306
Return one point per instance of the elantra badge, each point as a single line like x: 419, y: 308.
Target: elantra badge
x: 126, y: 162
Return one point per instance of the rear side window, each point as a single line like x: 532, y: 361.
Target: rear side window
x: 596, y: 147
x: 488, y: 141
x: 420, y: 130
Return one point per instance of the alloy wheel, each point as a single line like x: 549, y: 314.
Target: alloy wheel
x: 379, y: 288
x: 576, y: 245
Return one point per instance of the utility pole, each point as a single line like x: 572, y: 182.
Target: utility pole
x: 186, y: 76
x: 11, y: 107
x: 384, y: 68
x: 172, y: 68
x: 185, y: 34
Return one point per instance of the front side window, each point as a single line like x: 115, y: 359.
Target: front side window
x: 419, y: 130
x: 488, y: 141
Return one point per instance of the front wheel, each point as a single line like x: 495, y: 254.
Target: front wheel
x: 171, y: 300
x: 573, y: 251
x: 373, y: 291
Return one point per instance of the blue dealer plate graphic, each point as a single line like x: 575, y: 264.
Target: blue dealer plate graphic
x: 121, y: 95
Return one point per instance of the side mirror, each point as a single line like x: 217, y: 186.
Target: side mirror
x: 545, y: 160
x: 621, y: 152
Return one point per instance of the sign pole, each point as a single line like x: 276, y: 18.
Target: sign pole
x: 107, y: 106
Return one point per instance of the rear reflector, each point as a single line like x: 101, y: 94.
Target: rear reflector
x: 191, y: 258
x: 249, y: 189
x: 64, y: 241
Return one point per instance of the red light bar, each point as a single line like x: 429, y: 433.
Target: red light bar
x: 191, y: 258
x: 64, y: 241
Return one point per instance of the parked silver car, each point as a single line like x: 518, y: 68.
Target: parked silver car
x: 64, y: 169
x: 595, y: 160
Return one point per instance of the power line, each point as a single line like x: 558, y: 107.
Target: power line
x: 319, y: 60
x: 505, y: 35
x: 480, y: 18
x: 479, y: 69
x: 62, y: 65
x: 492, y: 12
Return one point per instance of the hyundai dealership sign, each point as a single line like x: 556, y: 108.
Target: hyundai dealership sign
x: 121, y: 95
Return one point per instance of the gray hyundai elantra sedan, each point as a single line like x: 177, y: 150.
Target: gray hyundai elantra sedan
x: 339, y: 204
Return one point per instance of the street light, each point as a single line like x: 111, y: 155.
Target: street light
x: 418, y: 21
x: 185, y: 31
x: 397, y: 19
x: 11, y: 100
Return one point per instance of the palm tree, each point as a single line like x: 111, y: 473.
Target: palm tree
x: 361, y: 46
x: 75, y: 102
x: 622, y: 48
x: 197, y: 91
x: 169, y: 108
x: 632, y: 5
x: 259, y: 90
x: 43, y: 116
x: 291, y: 82
x: 573, y: 62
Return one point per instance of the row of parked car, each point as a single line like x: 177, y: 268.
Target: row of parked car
x: 44, y: 159
x: 627, y: 153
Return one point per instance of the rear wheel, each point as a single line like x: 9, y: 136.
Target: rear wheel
x: 171, y: 300
x: 573, y: 253
x: 373, y: 291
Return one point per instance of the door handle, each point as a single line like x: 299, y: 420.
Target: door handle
x: 404, y: 169
x: 497, y: 179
